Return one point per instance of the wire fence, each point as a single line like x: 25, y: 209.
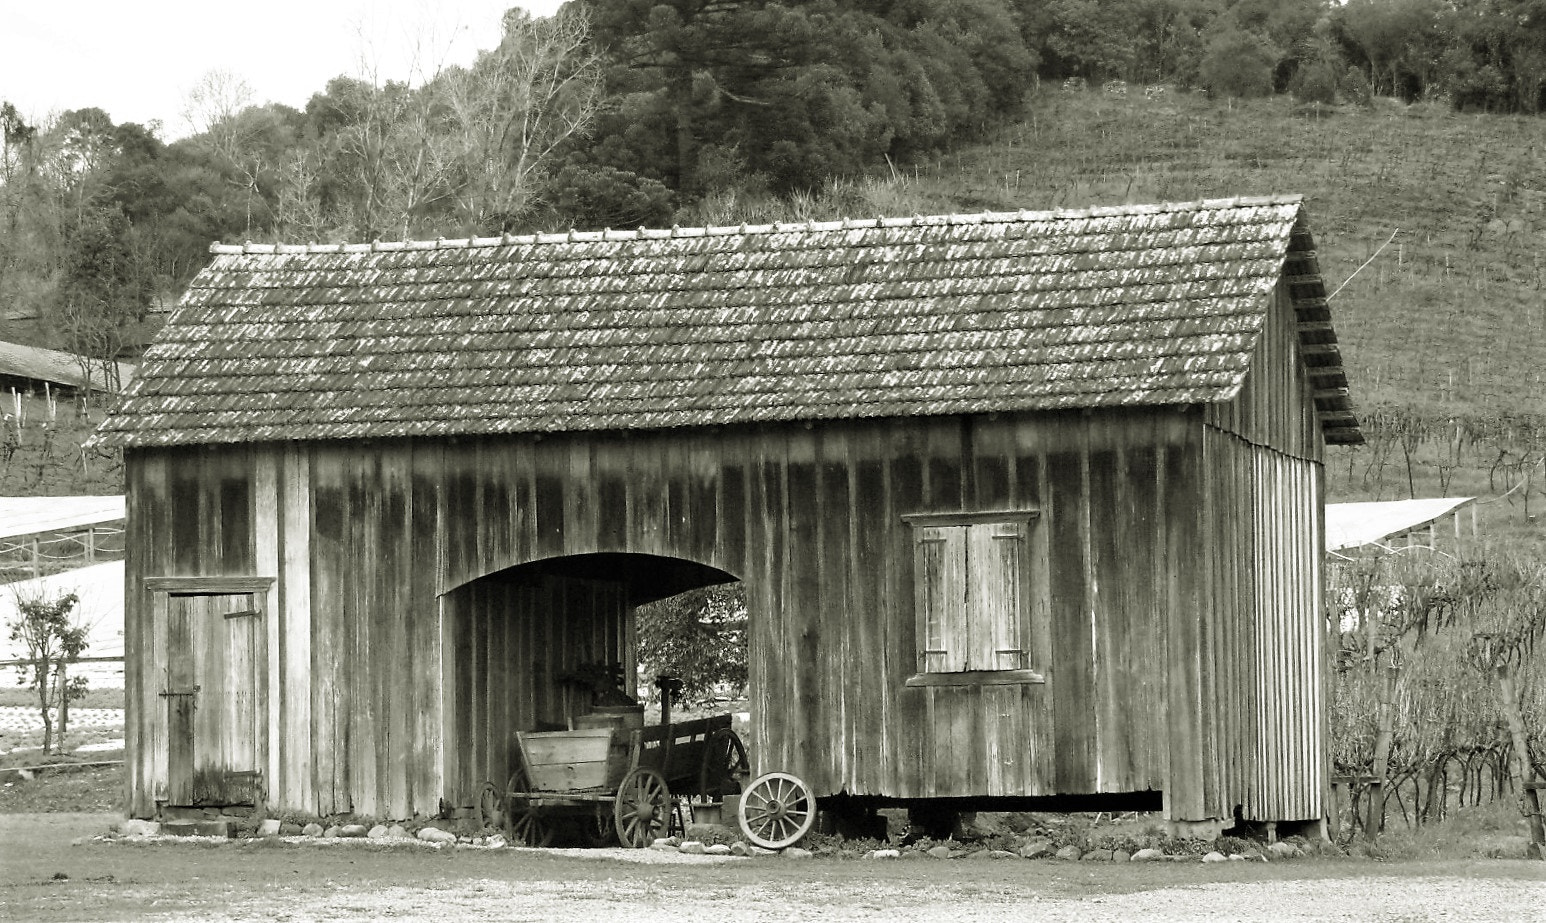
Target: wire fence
x: 41, y: 555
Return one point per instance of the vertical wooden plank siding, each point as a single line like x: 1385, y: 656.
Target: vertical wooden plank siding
x: 1185, y: 787
x: 394, y: 617
x: 1067, y: 520
x: 296, y: 788
x: 868, y: 725
x: 148, y: 524
x: 1267, y: 448
x: 1109, y: 637
x: 403, y: 657
x: 910, y: 755
x: 805, y: 635
x: 426, y: 573
x: 839, y: 655
x: 329, y: 610
x: 774, y: 701
x: 267, y: 528
x: 181, y: 676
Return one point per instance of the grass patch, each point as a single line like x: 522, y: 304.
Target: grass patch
x: 24, y: 748
x: 1494, y: 829
x: 88, y: 789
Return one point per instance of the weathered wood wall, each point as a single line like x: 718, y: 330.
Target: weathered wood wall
x: 505, y: 643
x: 1275, y: 407
x: 194, y: 518
x: 1265, y: 499
x: 811, y: 519
x: 1155, y: 590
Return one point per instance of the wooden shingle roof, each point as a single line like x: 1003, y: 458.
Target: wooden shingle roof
x: 709, y: 326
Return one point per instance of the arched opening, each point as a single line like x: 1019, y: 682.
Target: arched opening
x: 546, y: 646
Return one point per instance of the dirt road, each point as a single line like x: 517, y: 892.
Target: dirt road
x: 268, y: 882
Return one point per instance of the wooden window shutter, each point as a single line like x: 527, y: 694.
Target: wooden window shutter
x: 940, y: 581
x: 996, y: 561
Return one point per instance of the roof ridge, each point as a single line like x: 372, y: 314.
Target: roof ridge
x: 841, y: 224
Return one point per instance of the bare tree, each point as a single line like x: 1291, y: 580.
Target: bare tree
x: 213, y: 112
x: 394, y: 153
x: 469, y: 146
x: 298, y: 211
x: 514, y: 108
x: 1506, y: 608
x: 211, y: 109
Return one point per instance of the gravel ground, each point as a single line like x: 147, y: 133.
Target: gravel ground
x: 54, y: 868
x: 1367, y: 900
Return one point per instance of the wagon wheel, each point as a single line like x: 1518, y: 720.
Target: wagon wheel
x: 523, y: 823
x: 724, y: 765
x: 642, y: 810
x: 491, y: 812
x: 596, y: 829
x: 777, y: 809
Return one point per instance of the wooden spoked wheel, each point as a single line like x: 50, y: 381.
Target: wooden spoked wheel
x: 777, y: 810
x: 724, y: 765
x: 642, y: 811
x: 523, y: 823
x: 597, y: 828
x: 491, y: 811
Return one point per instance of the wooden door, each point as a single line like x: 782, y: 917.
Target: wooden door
x: 213, y: 692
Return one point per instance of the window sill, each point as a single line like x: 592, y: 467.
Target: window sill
x: 977, y: 678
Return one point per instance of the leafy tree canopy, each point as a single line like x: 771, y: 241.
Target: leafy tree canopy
x: 626, y: 112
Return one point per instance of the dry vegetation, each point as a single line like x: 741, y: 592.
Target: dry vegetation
x: 1444, y: 333
x: 43, y: 449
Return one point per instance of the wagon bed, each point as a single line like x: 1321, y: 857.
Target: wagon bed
x: 640, y: 772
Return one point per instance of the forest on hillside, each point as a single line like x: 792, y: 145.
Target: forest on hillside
x: 621, y: 113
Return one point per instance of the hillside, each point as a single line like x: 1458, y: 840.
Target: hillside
x: 1444, y: 334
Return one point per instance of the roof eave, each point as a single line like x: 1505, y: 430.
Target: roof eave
x: 1318, y: 339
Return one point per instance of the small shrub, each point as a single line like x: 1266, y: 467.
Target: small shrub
x: 1233, y: 845
x: 1356, y: 89
x: 1316, y: 82
x: 1237, y: 64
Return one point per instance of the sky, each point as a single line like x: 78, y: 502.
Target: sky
x: 139, y: 59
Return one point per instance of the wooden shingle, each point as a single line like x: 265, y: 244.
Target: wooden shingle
x: 1137, y: 305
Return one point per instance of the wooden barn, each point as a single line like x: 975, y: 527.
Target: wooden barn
x: 1028, y: 507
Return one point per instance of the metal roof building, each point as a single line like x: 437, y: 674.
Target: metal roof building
x: 34, y: 364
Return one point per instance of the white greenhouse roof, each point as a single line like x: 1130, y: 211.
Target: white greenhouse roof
x: 1350, y: 525
x: 32, y: 515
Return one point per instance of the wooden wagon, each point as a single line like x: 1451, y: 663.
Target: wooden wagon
x: 638, y: 784
x: 616, y: 780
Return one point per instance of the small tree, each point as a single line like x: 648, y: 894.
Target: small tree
x: 1320, y: 69
x: 103, y: 292
x: 1236, y: 63
x: 52, y: 642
